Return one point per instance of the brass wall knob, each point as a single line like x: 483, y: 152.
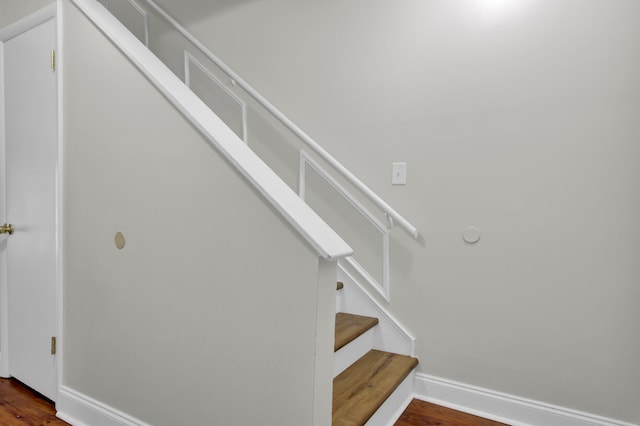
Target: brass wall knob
x: 6, y: 229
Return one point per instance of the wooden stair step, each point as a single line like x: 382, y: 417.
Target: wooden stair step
x: 363, y: 387
x: 350, y: 326
x: 339, y: 285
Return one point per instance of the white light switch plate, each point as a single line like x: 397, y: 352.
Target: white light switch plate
x: 399, y: 173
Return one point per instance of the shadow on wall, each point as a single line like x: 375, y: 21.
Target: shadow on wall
x: 191, y: 11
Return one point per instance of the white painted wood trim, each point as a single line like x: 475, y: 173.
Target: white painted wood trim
x: 391, y: 336
x: 306, y: 159
x: 81, y: 410
x: 392, y: 407
x: 4, y: 290
x: 324, y: 338
x: 188, y: 60
x: 502, y: 407
x: 382, y: 288
x: 386, y: 266
x: 60, y: 194
x: 324, y: 240
x: 28, y: 22
x: 142, y: 12
x: 145, y: 20
x: 375, y: 198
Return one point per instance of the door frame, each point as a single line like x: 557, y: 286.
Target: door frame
x: 41, y: 16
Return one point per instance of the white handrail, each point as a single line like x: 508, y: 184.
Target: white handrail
x: 375, y: 198
x: 300, y: 216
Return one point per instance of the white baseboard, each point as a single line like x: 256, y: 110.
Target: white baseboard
x: 81, y: 410
x: 4, y: 368
x: 501, y: 407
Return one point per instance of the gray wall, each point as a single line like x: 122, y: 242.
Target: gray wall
x: 195, y: 318
x: 520, y: 118
x: 13, y: 10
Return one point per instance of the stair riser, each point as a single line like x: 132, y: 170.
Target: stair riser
x: 353, y: 351
x: 394, y: 406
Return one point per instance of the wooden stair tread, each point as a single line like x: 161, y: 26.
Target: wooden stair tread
x: 363, y: 387
x: 350, y: 326
x: 339, y: 285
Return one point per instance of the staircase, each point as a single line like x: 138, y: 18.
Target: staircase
x: 372, y: 381
x: 364, y: 378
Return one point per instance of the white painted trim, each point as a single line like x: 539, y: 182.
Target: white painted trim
x: 392, y: 335
x: 306, y: 159
x: 141, y: 11
x: 386, y: 265
x: 375, y: 198
x: 81, y: 410
x: 394, y: 405
x: 145, y: 20
x: 324, y: 240
x: 502, y: 407
x: 382, y: 288
x: 60, y: 193
x: 189, y: 58
x: 403, y: 406
x: 325, y: 328
x: 28, y: 22
x: 4, y: 289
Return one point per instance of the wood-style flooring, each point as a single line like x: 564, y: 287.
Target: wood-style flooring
x: 21, y: 406
x: 421, y: 413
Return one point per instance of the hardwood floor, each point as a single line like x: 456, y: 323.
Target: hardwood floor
x: 421, y: 413
x: 20, y: 405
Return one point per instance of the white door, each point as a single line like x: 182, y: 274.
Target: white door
x: 30, y: 162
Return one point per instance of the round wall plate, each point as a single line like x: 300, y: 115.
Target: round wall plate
x: 471, y: 235
x: 120, y: 241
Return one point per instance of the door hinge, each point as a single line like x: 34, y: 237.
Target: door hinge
x: 53, y: 345
x: 53, y: 59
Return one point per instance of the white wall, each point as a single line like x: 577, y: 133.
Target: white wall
x: 13, y: 10
x: 519, y: 118
x: 209, y: 314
